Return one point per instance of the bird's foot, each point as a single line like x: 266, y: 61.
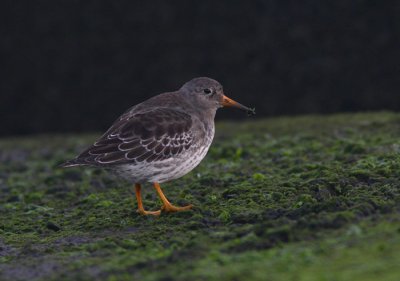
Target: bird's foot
x: 169, y: 208
x: 145, y: 213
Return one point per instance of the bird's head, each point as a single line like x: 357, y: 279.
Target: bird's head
x: 207, y: 92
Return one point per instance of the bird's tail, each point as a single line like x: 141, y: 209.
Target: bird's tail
x: 70, y: 163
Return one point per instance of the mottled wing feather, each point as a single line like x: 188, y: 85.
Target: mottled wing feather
x: 151, y: 136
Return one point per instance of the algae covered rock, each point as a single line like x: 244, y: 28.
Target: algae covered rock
x: 308, y: 198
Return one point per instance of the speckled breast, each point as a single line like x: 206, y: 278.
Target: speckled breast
x: 172, y: 168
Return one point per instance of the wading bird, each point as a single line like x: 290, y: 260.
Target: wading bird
x: 160, y: 139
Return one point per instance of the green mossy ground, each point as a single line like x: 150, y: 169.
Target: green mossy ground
x: 306, y: 198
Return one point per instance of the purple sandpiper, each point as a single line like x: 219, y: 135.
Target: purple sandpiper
x: 160, y: 139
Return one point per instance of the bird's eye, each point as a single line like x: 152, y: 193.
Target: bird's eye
x: 207, y: 91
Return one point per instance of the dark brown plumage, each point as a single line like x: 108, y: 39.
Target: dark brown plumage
x: 155, y: 135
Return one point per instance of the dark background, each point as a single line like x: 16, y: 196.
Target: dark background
x: 73, y: 66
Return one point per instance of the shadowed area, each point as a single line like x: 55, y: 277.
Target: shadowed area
x: 76, y: 66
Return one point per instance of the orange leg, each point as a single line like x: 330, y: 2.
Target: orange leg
x: 141, y: 210
x: 168, y: 207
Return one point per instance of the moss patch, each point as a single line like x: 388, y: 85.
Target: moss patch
x: 304, y: 198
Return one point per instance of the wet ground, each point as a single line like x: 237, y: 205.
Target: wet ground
x: 306, y: 198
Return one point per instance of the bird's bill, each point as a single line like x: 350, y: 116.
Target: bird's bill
x: 231, y: 103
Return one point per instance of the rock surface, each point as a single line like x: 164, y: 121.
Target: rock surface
x: 303, y: 198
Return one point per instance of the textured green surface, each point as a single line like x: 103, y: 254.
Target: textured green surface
x: 306, y: 198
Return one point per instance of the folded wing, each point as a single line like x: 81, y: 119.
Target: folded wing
x: 151, y: 136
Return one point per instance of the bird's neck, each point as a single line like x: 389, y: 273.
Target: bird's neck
x: 206, y: 113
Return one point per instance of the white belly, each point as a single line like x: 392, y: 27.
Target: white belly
x: 170, y: 169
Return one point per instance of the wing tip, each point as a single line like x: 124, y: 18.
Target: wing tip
x: 70, y: 163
